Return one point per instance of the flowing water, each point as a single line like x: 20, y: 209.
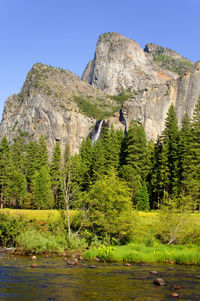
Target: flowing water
x: 98, y: 131
x: 53, y: 280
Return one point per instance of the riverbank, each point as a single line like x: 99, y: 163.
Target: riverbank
x: 45, y: 232
x: 139, y: 253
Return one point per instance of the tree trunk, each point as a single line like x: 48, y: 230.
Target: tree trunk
x: 68, y: 219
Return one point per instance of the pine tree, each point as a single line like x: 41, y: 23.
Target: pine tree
x: 171, y: 151
x: 56, y: 173
x: 136, y: 150
x: 142, y: 198
x: 195, y: 162
x: 186, y: 156
x: 32, y: 162
x: 155, y: 174
x: 42, y: 193
x: 42, y: 152
x: 98, y: 161
x: 18, y: 153
x: 5, y: 168
x: 86, y: 153
x: 16, y: 188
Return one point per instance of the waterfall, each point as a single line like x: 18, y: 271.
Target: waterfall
x: 123, y: 121
x: 97, y: 133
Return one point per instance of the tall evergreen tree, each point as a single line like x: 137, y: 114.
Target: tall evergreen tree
x: 56, y: 173
x: 42, y: 193
x: 171, y: 150
x: 155, y: 175
x: 142, y: 198
x: 32, y: 162
x: 42, y: 152
x: 186, y: 156
x: 16, y: 188
x: 195, y: 162
x: 18, y: 153
x: 136, y: 150
x: 5, y: 168
x: 86, y: 152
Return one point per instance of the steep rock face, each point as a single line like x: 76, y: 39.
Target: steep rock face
x: 120, y: 63
x: 151, y: 105
x: 55, y: 103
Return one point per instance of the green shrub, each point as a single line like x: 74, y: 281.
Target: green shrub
x: 37, y: 242
x: 77, y: 243
x: 10, y: 227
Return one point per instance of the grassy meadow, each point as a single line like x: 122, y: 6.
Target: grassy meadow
x: 44, y: 231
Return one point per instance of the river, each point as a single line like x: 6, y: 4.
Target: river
x: 54, y: 280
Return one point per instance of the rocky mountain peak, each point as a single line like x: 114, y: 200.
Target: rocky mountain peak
x: 56, y: 103
x: 122, y: 83
x: 120, y: 63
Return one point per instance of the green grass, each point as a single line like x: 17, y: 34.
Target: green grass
x: 38, y: 215
x: 139, y: 253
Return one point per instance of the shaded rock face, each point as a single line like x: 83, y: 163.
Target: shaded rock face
x: 120, y: 63
x: 151, y: 105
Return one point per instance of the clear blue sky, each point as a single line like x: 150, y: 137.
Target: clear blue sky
x: 63, y: 33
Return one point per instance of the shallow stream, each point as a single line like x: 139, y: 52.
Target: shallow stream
x: 53, y: 280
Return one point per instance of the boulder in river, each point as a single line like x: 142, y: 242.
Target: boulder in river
x: 153, y: 272
x: 174, y: 295
x: 34, y: 265
x: 159, y: 281
x: 72, y: 261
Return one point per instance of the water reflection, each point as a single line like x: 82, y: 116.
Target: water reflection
x: 54, y: 280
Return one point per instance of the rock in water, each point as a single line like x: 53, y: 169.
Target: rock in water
x: 174, y: 295
x: 159, y: 281
x: 72, y: 262
x: 34, y: 265
x: 153, y: 272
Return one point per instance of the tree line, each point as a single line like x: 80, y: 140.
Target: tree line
x: 170, y: 167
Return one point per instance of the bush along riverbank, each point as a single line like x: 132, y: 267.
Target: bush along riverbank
x: 37, y: 232
x: 45, y: 232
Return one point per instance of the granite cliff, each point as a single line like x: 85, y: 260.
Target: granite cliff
x: 120, y: 63
x: 122, y: 83
x: 57, y: 104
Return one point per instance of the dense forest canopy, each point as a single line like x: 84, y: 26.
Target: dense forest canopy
x: 144, y: 172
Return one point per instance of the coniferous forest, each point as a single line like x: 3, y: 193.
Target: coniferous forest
x: 101, y: 192
x: 150, y: 171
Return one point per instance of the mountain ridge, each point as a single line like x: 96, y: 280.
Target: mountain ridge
x: 122, y: 82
